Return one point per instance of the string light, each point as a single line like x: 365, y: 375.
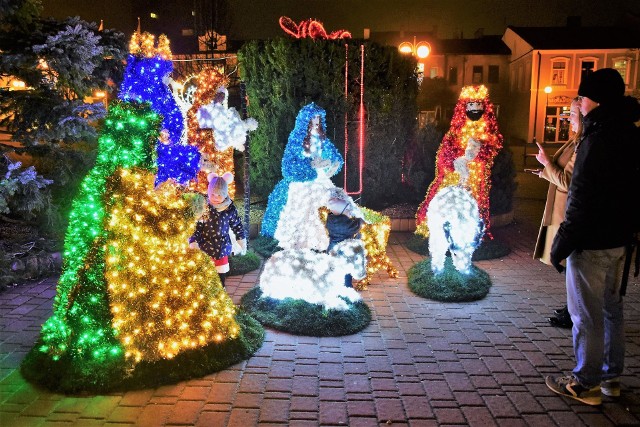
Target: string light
x: 210, y: 82
x: 455, y: 226
x: 161, y: 293
x: 310, y: 28
x: 484, y: 130
x: 131, y: 290
x: 375, y: 235
x: 300, y: 225
x: 145, y: 80
x: 315, y: 277
x: 143, y: 45
x: 296, y: 166
x: 227, y: 129
x: 80, y: 324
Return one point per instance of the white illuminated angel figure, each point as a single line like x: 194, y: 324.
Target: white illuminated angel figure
x: 455, y: 226
x: 228, y: 127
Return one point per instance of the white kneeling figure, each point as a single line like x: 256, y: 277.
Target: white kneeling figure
x: 300, y: 226
x: 455, y: 226
x: 315, y: 277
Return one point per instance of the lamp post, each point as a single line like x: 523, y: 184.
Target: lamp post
x: 420, y: 50
x: 547, y: 90
x: 102, y: 96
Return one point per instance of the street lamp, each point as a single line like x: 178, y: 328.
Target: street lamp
x: 547, y: 90
x: 420, y: 49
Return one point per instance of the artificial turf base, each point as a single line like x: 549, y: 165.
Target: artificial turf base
x: 450, y: 285
x: 299, y: 317
x: 488, y: 249
x: 241, y: 264
x: 71, y: 374
x: 265, y: 246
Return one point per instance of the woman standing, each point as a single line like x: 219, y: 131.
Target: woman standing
x: 557, y: 170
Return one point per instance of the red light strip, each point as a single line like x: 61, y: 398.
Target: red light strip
x: 360, y: 129
x: 346, y: 113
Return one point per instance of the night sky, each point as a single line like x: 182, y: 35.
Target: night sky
x: 450, y: 18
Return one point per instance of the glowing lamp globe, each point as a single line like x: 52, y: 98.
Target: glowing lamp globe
x: 405, y: 47
x: 423, y: 49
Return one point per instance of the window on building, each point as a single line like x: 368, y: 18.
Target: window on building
x: 556, y: 124
x: 434, y: 72
x: 622, y: 66
x: 453, y: 75
x: 477, y: 74
x: 494, y: 74
x: 559, y: 72
x: 587, y: 67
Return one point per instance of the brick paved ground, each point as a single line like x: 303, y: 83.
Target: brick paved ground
x: 419, y: 363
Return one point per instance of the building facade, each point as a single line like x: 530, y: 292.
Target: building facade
x: 546, y: 68
x: 458, y: 62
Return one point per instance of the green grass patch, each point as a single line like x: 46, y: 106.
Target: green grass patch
x: 489, y: 249
x: 265, y: 246
x: 450, y: 285
x: 299, y: 317
x: 71, y: 374
x: 241, y: 264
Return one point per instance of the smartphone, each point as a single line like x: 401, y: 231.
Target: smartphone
x: 535, y: 171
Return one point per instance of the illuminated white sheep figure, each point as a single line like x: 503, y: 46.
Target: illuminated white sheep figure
x: 315, y: 277
x: 455, y: 226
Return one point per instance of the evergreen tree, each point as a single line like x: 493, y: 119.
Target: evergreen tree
x: 282, y: 75
x: 60, y: 63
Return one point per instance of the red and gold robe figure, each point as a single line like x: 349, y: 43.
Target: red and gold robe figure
x: 465, y: 157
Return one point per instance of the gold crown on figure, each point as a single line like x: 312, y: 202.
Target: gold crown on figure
x: 474, y: 92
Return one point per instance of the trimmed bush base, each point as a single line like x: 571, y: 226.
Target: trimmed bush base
x: 265, y: 246
x: 69, y: 375
x: 489, y: 249
x: 299, y: 317
x: 241, y: 264
x: 450, y: 285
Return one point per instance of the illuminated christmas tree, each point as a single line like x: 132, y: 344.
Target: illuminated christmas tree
x: 465, y: 157
x: 131, y: 292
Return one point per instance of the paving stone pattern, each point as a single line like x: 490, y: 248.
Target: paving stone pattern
x: 419, y: 363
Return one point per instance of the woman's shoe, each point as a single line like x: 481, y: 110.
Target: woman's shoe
x: 561, y: 311
x: 561, y: 321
